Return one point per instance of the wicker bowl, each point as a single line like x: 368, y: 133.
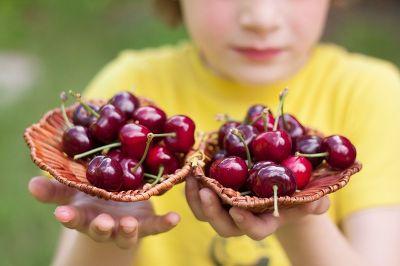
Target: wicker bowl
x: 323, y: 181
x: 44, y: 141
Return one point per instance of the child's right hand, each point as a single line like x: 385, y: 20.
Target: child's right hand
x: 103, y: 221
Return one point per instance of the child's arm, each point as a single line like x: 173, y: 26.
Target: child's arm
x: 105, y: 226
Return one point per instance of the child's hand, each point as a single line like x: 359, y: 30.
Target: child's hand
x: 122, y: 223
x: 207, y: 207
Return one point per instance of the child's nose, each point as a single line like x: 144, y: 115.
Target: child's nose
x: 260, y: 16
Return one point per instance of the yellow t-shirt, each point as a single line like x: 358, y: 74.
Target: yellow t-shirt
x: 336, y: 92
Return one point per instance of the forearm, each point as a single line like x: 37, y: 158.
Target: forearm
x: 78, y: 249
x: 316, y: 240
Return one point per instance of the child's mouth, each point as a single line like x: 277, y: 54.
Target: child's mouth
x: 256, y: 54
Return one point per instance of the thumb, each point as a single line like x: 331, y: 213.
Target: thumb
x: 158, y: 224
x: 49, y: 190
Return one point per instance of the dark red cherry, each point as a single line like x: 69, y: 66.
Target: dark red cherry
x: 104, y: 172
x: 234, y: 146
x: 230, y: 172
x: 131, y: 180
x: 309, y: 145
x: 76, y: 140
x: 161, y: 156
x: 341, y: 152
x: 258, y: 122
x: 224, y: 129
x: 184, y: 128
x: 151, y: 117
x: 133, y: 138
x: 105, y: 129
x: 253, y: 171
x: 271, y: 146
x: 221, y: 154
x: 292, y: 126
x: 82, y: 117
x: 126, y: 102
x: 115, y: 154
x: 254, y: 111
x: 301, y: 169
x: 270, y: 176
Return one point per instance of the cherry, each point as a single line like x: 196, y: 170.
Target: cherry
x: 291, y: 125
x: 224, y: 130
x: 105, y: 129
x: 115, y: 154
x: 341, y: 152
x: 82, y: 117
x: 151, y: 117
x: 230, y: 172
x: 263, y: 122
x: 104, y: 172
x: 184, y: 128
x: 126, y: 102
x: 131, y: 180
x: 254, y: 111
x: 133, y: 139
x: 76, y: 140
x: 161, y: 156
x: 221, y: 154
x: 234, y: 145
x: 301, y: 169
x: 253, y: 171
x: 309, y: 145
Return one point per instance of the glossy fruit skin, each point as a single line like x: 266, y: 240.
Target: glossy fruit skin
x: 271, y: 146
x: 230, y: 172
x: 309, y: 145
x: 160, y: 155
x: 293, y: 127
x: 342, y: 153
x: 104, y: 172
x: 253, y: 111
x: 224, y: 129
x: 221, y: 154
x: 151, y: 117
x: 184, y: 128
x: 259, y: 123
x: 131, y: 180
x: 82, y: 118
x: 233, y: 145
x: 115, y: 154
x: 301, y: 169
x: 76, y: 140
x: 105, y: 129
x: 133, y: 138
x: 253, y: 171
x: 263, y: 182
x: 126, y: 102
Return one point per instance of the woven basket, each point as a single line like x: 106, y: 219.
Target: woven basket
x: 323, y: 181
x: 44, y: 141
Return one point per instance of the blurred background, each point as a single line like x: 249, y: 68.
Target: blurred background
x: 47, y: 46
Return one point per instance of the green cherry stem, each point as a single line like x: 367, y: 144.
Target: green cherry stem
x: 264, y: 115
x: 159, y: 175
x: 282, y: 97
x: 313, y: 155
x: 64, y: 98
x: 276, y: 211
x: 108, y: 146
x: 88, y: 109
x: 239, y: 134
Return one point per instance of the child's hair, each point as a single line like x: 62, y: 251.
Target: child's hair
x: 170, y: 10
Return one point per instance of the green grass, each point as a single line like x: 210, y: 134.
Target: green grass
x: 73, y: 40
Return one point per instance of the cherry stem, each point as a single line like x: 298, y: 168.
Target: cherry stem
x: 276, y: 211
x: 150, y: 138
x: 64, y: 98
x: 312, y: 155
x: 88, y: 109
x: 239, y: 134
x: 108, y: 146
x: 264, y: 115
x: 245, y: 193
x: 156, y: 177
x: 282, y: 97
x: 223, y: 118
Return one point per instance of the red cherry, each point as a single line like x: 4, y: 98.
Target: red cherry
x: 254, y: 111
x: 125, y: 102
x: 310, y: 145
x: 292, y: 126
x: 301, y: 169
x: 161, y: 156
x: 253, y: 171
x: 105, y: 173
x: 131, y: 180
x: 258, y: 122
x: 115, y: 154
x: 133, y: 139
x: 82, y: 117
x: 184, y: 128
x: 230, y: 172
x: 151, y: 117
x: 224, y: 129
x: 76, y: 140
x: 341, y: 152
x: 271, y: 146
x: 105, y: 129
x: 234, y: 146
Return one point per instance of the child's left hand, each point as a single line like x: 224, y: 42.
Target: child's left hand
x: 207, y: 207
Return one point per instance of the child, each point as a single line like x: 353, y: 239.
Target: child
x: 242, y: 53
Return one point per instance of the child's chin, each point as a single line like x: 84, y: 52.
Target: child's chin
x: 256, y: 76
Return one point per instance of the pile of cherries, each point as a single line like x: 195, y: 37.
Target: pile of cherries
x: 270, y: 156
x: 131, y: 144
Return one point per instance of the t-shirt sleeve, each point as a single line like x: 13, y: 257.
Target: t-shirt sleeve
x: 372, y: 122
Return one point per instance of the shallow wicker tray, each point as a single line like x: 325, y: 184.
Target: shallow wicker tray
x: 44, y: 141
x: 323, y: 181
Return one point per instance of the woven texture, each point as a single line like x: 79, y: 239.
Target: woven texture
x: 44, y: 141
x: 323, y: 181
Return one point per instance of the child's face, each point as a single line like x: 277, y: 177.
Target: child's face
x: 255, y: 41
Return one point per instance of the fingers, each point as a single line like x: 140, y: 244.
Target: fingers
x: 71, y: 217
x: 193, y: 198
x: 101, y: 228
x: 216, y: 215
x: 256, y: 227
x: 158, y: 224
x: 49, y: 190
x: 127, y: 235
x: 317, y: 207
